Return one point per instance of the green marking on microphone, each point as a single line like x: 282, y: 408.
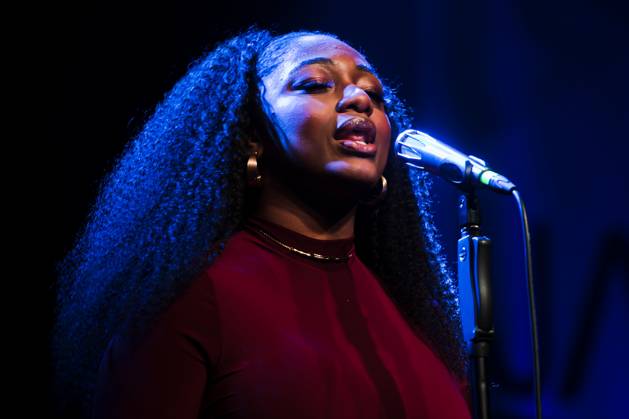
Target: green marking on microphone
x: 486, y: 176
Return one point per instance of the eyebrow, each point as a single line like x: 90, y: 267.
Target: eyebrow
x: 327, y: 61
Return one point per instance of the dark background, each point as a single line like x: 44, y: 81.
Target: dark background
x: 537, y: 88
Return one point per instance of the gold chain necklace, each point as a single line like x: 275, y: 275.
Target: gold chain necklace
x: 311, y: 255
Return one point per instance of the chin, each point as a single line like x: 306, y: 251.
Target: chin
x: 362, y: 172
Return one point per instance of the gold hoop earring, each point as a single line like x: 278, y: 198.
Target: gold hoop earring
x: 254, y: 178
x: 379, y: 195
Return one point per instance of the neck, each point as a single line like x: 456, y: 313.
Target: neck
x: 309, y: 214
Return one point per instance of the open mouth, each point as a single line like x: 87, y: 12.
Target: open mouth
x: 357, y: 135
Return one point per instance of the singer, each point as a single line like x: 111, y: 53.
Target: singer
x: 258, y: 251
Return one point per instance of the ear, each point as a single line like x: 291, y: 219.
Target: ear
x: 254, y: 146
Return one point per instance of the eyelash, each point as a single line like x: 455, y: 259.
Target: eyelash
x: 310, y: 86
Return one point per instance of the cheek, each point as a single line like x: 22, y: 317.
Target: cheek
x: 384, y: 140
x: 386, y: 127
x: 305, y: 123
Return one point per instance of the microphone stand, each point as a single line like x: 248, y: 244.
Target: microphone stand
x: 473, y: 254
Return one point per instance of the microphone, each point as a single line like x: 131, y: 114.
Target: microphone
x: 422, y: 151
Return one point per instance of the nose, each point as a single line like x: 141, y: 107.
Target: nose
x: 355, y: 98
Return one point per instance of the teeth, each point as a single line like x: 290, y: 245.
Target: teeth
x: 361, y: 142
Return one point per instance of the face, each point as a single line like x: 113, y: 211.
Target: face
x: 327, y: 109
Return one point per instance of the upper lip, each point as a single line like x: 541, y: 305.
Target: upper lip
x: 357, y: 126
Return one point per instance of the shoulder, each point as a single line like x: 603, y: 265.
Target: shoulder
x: 240, y: 257
x: 191, y: 324
x: 245, y: 256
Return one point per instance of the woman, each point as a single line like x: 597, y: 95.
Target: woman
x: 258, y: 251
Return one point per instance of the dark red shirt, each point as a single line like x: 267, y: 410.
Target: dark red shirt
x: 267, y: 333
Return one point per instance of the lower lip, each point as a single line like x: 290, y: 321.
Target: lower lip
x: 368, y: 150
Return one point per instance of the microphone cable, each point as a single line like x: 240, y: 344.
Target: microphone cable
x: 526, y: 236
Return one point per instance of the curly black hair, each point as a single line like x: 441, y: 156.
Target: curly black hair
x: 178, y: 192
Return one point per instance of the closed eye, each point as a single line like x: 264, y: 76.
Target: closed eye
x: 315, y: 86
x: 375, y: 96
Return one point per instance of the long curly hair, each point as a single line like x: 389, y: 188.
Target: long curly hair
x: 178, y: 192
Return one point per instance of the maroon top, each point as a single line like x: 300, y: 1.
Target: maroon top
x: 267, y: 333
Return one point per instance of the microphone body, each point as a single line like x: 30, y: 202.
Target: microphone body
x: 420, y: 150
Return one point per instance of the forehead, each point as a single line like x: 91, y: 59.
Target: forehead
x: 305, y: 48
